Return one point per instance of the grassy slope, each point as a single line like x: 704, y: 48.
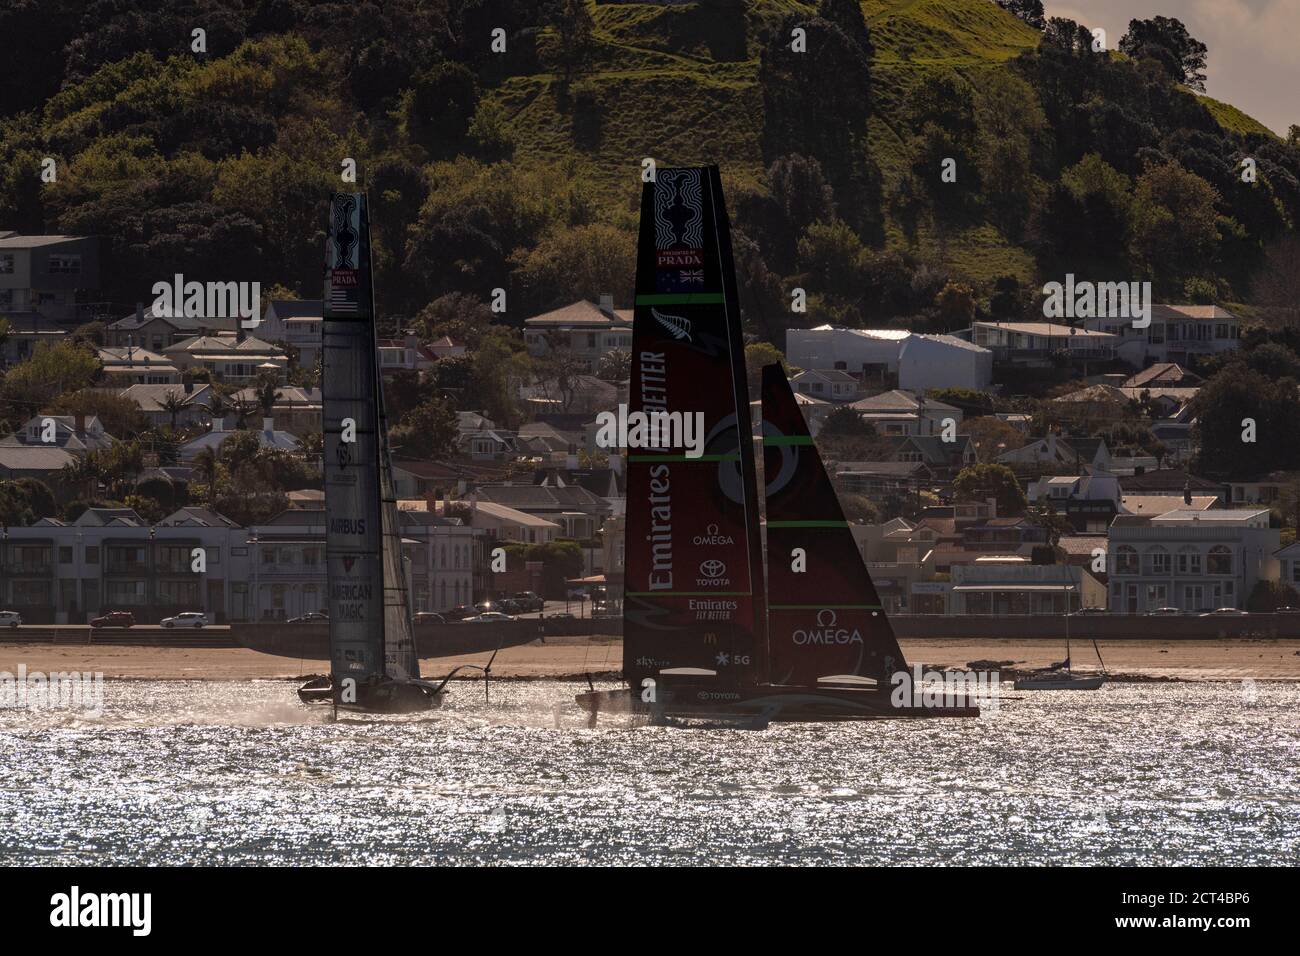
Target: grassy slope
x: 660, y: 93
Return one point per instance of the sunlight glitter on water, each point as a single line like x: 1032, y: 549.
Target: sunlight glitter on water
x: 233, y: 772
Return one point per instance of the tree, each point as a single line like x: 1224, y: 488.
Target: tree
x: 205, y: 467
x: 1277, y: 285
x: 581, y: 262
x: 956, y: 304
x: 846, y: 422
x: 266, y: 392
x: 1167, y: 41
x: 757, y: 355
x: 992, y: 437
x: 51, y: 371
x: 173, y: 404
x: 1031, y: 11
x: 428, y: 431
x: 1175, y: 223
x: 120, y: 416
x: 979, y: 482
x: 1246, y: 424
x: 573, y: 28
x: 614, y: 365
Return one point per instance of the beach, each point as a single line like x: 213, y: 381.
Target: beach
x: 572, y: 657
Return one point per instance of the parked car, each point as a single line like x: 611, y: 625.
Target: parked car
x: 114, y: 619
x: 1287, y: 610
x: 10, y: 619
x: 510, y: 606
x: 193, y: 619
x: 429, y: 617
x: 308, y: 618
x: 487, y: 617
x: 1164, y: 612
x: 1226, y: 612
x: 460, y: 612
x: 529, y: 601
x: 1088, y: 611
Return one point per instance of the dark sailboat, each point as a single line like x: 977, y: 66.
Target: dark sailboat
x: 699, y: 639
x: 373, y: 663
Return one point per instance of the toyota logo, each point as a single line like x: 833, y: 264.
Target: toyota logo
x: 713, y: 568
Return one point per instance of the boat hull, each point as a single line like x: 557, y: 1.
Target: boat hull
x: 770, y: 703
x: 383, y: 697
x: 1066, y: 683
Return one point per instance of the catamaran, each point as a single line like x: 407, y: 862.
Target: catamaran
x: 699, y: 637
x: 373, y: 663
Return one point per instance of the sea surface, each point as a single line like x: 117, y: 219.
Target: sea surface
x: 241, y: 773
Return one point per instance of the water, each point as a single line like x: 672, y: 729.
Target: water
x: 225, y: 773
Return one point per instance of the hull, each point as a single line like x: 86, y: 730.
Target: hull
x: 1061, y: 683
x: 382, y: 697
x: 765, y: 704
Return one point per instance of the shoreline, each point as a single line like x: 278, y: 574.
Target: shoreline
x: 575, y: 658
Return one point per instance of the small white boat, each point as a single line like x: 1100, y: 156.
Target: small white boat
x: 1059, y: 681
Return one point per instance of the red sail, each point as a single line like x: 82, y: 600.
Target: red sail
x: 825, y: 620
x: 694, y: 572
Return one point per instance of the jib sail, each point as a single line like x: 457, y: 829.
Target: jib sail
x: 825, y: 618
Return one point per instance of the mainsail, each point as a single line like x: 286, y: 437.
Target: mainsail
x: 693, y: 563
x: 369, y: 618
x: 825, y: 620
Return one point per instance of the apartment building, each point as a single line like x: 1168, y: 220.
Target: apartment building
x: 54, y: 276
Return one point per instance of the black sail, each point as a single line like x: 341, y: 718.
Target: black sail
x: 369, y: 617
x: 694, y: 573
x: 825, y: 620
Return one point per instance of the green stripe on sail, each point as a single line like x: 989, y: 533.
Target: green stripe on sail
x: 681, y: 298
x: 787, y: 440
x: 807, y: 524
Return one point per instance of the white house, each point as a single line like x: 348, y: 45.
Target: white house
x: 268, y: 437
x: 1177, y: 333
x: 918, y: 361
x: 943, y: 361
x: 901, y: 413
x: 1192, y: 560
x: 299, y: 322
x: 826, y: 384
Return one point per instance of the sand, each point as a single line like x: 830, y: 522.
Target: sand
x: 572, y: 657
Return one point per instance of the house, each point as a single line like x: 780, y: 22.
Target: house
x: 76, y: 434
x: 575, y: 509
x: 136, y: 366
x: 1080, y: 455
x: 576, y: 395
x: 419, y: 479
x: 901, y: 413
x: 407, y: 354
x: 1177, y: 334
x: 944, y: 458
x: 502, y: 523
x: 143, y: 329
x: 587, y: 331
x: 231, y: 358
x: 880, y: 480
x: 1169, y: 481
x: 298, y: 323
x: 489, y: 445
x: 296, y: 410
x: 445, y: 347
x: 42, y: 462
x: 1088, y: 502
x: 828, y: 385
x: 56, y: 277
x: 911, y: 360
x: 1269, y: 489
x: 150, y: 398
x: 1009, y: 535
x: 1192, y: 560
x: 1288, y: 560
x: 1037, y: 343
x: 943, y: 361
x: 1007, y: 585
x: 814, y: 411
x: 26, y: 332
x: 1164, y: 375
x: 268, y: 437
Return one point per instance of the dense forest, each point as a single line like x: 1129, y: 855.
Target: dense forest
x: 211, y: 153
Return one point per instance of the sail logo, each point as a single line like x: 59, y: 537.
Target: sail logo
x: 711, y: 536
x: 679, y: 327
x: 679, y: 230
x: 355, y: 526
x: 827, y: 631
x: 342, y: 257
x: 712, y: 574
x: 712, y: 610
x: 131, y: 910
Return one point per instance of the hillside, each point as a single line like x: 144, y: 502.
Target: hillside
x: 218, y: 160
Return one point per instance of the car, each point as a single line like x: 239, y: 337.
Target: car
x: 309, y: 618
x: 429, y: 617
x: 487, y: 617
x: 1226, y: 612
x: 114, y: 619
x: 460, y: 612
x: 10, y: 619
x: 562, y: 616
x: 1164, y: 612
x: 529, y: 601
x: 193, y: 619
x: 509, y: 606
x: 1287, y: 610
x: 1088, y: 611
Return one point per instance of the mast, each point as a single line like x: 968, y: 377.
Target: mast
x: 355, y: 539
x: 827, y: 619
x: 694, y: 569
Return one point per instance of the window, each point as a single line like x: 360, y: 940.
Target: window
x: 1157, y: 561
x: 1126, y: 560
x: 1189, y: 561
x: 6, y: 263
x: 65, y: 264
x: 92, y: 554
x: 1219, y: 560
x: 65, y: 555
x: 1221, y: 331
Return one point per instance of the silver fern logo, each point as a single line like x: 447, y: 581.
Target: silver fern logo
x: 678, y: 326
